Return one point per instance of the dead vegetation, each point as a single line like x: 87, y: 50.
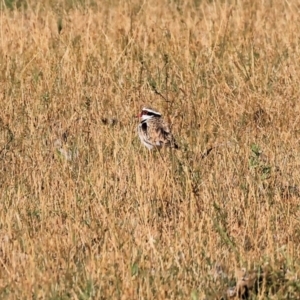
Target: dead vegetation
x: 87, y: 212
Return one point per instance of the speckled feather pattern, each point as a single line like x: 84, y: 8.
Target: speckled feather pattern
x: 154, y: 132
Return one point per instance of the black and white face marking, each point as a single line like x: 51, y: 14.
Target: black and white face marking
x: 148, y: 113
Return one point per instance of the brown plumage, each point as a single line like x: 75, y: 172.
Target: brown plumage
x: 153, y: 131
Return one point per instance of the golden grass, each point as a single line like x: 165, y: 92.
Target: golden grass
x: 86, y: 212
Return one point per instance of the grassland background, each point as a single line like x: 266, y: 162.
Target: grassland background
x: 86, y: 212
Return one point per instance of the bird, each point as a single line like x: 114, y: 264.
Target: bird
x: 153, y: 131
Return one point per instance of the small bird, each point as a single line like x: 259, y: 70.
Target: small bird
x: 153, y: 131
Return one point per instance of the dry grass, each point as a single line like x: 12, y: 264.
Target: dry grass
x: 86, y: 212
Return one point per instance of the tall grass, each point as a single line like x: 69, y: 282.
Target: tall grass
x: 86, y: 212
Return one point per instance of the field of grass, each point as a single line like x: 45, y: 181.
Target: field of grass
x: 87, y: 212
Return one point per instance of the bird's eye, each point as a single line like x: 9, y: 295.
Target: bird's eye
x: 144, y: 112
